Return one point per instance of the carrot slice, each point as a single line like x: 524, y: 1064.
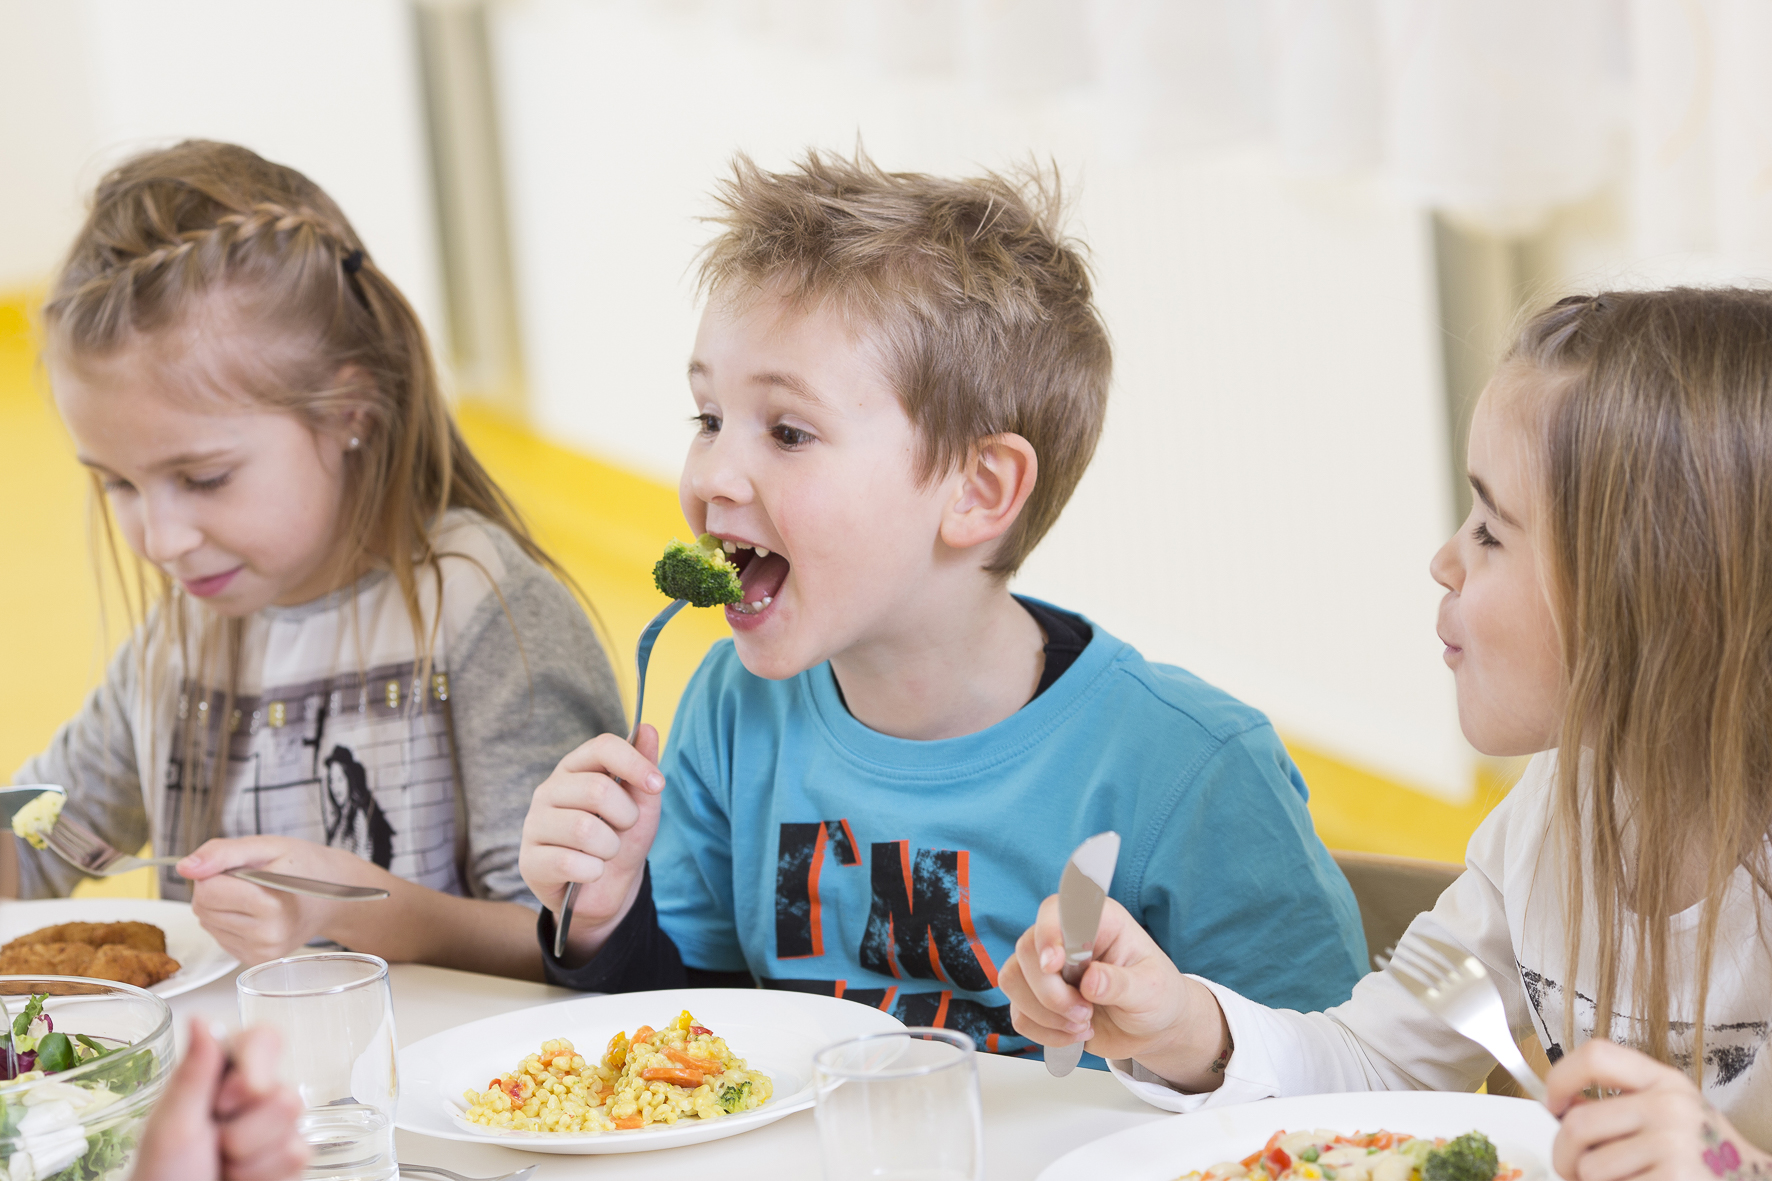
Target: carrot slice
x: 691, y: 1062
x: 670, y: 1074
x: 630, y: 1121
x: 643, y: 1035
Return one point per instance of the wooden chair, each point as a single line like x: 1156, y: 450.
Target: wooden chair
x: 1391, y: 891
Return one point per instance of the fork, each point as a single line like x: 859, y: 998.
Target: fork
x: 1455, y: 987
x: 522, y: 1174
x: 91, y: 854
x: 642, y: 657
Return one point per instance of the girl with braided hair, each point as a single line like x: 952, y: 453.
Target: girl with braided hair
x: 350, y: 660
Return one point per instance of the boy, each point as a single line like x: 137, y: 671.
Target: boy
x: 898, y: 381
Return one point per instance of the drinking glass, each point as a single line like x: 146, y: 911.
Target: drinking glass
x: 900, y: 1105
x: 335, y: 1015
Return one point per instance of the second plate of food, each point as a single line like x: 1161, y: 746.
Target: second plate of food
x: 774, y: 1033
x: 1520, y: 1130
x: 200, y: 958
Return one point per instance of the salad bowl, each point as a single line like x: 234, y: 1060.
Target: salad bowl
x: 71, y: 1108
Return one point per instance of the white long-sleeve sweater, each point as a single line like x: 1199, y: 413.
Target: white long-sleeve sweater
x: 1508, y: 909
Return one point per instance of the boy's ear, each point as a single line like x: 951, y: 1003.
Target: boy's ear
x: 994, y: 483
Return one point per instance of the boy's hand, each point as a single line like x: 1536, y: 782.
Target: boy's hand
x: 1658, y: 1129
x: 254, y: 924
x: 592, y: 821
x: 1131, y: 1003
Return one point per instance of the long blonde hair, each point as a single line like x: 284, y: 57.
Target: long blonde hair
x: 202, y: 220
x: 1658, y: 472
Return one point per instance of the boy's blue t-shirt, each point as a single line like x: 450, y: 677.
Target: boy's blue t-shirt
x: 823, y: 856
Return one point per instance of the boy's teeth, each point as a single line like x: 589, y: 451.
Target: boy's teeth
x: 730, y: 547
x: 768, y: 599
x: 757, y: 606
x: 761, y: 552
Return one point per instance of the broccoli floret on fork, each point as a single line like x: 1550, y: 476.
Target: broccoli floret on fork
x: 699, y: 573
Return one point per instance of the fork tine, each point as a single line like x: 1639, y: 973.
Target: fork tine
x: 81, y: 846
x: 1409, y: 974
x: 1428, y: 974
x: 1426, y: 952
x: 1457, y: 957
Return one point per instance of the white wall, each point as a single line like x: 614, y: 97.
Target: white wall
x: 1275, y: 442
x: 329, y: 87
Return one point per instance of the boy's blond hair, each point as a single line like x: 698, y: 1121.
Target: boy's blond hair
x: 982, y: 307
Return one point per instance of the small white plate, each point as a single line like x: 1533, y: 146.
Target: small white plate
x: 1521, y: 1129
x: 200, y: 958
x: 774, y: 1032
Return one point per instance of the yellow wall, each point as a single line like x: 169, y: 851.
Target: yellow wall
x: 605, y: 525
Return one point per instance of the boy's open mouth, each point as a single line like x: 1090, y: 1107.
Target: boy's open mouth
x: 760, y: 571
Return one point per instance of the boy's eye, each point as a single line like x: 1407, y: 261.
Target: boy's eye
x: 709, y: 424
x: 1483, y: 536
x: 115, y: 486
x: 790, y: 436
x: 209, y: 484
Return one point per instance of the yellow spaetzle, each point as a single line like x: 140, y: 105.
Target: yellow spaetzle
x: 683, y: 1071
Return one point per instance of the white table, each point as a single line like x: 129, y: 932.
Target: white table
x: 1030, y: 1118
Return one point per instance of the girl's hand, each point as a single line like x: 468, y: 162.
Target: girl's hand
x: 1659, y: 1129
x: 218, y: 1121
x: 1132, y: 1002
x: 592, y: 821
x: 254, y: 924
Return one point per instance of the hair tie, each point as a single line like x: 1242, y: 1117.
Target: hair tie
x: 353, y: 262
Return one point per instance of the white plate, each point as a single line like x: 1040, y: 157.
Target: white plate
x: 775, y: 1032
x: 200, y: 958
x: 1521, y: 1129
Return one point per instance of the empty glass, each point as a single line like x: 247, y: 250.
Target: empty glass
x: 335, y: 1014
x: 900, y: 1105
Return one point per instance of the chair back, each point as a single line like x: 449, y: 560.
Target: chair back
x: 1391, y: 891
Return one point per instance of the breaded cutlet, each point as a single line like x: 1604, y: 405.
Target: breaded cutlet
x: 113, y: 961
x: 140, y: 936
x: 126, y: 965
x: 46, y: 959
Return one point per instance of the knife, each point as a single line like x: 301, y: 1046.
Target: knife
x: 1081, y: 892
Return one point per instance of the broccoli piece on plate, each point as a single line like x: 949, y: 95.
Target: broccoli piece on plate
x: 699, y: 573
x: 732, y: 1099
x: 1471, y: 1157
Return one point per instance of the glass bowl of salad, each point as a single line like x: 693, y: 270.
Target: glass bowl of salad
x: 81, y: 1063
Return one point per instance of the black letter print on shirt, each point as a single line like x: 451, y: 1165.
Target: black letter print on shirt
x: 920, y: 919
x: 358, y: 802
x: 798, y: 931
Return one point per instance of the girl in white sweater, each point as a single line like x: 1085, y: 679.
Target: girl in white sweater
x: 1610, y: 594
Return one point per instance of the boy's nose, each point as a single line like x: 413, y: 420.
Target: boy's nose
x: 713, y: 475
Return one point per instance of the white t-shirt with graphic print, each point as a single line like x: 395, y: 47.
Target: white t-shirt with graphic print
x: 1508, y: 910
x: 332, y: 738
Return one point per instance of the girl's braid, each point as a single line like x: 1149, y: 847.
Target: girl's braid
x: 130, y: 267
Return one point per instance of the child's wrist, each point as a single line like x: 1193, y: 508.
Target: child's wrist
x: 1197, y: 1051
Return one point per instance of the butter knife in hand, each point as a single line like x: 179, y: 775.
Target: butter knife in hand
x: 1081, y: 892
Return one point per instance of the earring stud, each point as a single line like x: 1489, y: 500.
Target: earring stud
x: 355, y: 442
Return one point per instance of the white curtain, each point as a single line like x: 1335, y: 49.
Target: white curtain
x: 1497, y: 112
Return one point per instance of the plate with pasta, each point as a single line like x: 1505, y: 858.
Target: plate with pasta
x: 1366, y: 1136
x: 626, y: 1073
